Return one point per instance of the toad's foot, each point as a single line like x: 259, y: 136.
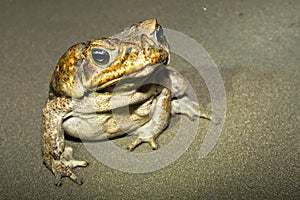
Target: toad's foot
x: 139, y: 141
x: 189, y: 108
x: 146, y: 134
x: 62, y: 167
x: 70, y: 161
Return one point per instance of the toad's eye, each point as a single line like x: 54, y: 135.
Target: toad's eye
x: 100, y: 56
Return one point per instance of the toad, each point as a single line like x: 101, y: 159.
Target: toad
x: 109, y: 87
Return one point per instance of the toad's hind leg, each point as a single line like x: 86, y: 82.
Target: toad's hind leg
x: 160, y: 117
x: 181, y: 104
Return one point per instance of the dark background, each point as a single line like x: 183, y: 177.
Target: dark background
x: 256, y: 46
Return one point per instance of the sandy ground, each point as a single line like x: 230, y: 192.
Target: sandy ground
x: 256, y: 47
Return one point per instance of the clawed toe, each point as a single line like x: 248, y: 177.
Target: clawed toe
x: 205, y: 115
x: 134, y: 144
x: 153, y: 144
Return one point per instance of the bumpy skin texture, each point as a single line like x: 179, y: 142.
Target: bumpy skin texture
x: 111, y: 86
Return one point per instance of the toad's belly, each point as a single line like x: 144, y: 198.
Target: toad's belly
x: 98, y: 126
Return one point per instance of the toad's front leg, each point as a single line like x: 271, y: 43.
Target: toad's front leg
x: 160, y: 118
x: 57, y: 157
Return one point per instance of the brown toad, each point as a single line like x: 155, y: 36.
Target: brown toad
x: 109, y: 87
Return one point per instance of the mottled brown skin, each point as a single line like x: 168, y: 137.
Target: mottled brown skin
x: 86, y: 83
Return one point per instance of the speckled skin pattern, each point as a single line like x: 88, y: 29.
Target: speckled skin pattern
x: 91, y: 74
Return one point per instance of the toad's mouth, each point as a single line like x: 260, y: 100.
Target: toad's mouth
x: 131, y: 80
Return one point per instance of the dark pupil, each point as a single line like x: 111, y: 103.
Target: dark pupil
x: 100, y: 56
x: 159, y: 34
